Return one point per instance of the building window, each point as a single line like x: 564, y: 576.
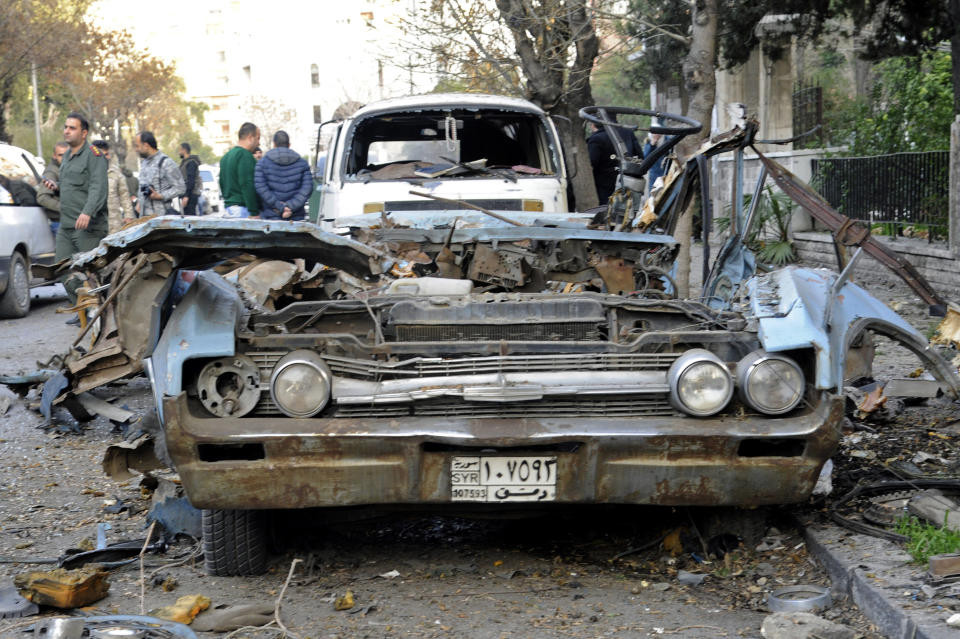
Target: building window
x: 221, y: 56
x: 224, y: 127
x: 246, y: 72
x: 314, y: 76
x: 317, y: 118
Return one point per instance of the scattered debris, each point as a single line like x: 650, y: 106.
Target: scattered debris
x: 345, y: 602
x: 224, y: 618
x: 912, y: 388
x: 62, y: 588
x: 800, y: 598
x: 96, y: 406
x: 393, y: 574
x: 12, y: 604
x: 948, y: 331
x: 944, y: 566
x: 174, y: 512
x: 149, y: 626
x: 184, y: 610
x: 954, y: 620
x: 690, y: 578
x: 119, y: 459
x: 60, y: 628
x: 803, y: 625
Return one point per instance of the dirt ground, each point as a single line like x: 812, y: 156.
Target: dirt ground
x: 567, y: 573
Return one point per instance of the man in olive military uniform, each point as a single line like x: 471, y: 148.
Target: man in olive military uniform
x: 83, y: 197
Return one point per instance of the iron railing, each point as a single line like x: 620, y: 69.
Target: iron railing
x: 903, y: 194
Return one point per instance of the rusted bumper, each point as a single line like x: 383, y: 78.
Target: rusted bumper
x: 272, y: 462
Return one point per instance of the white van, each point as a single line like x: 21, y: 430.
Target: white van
x: 496, y: 152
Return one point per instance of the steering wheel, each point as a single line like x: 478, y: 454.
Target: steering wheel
x: 601, y: 115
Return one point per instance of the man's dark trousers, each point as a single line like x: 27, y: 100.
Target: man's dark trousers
x: 191, y: 207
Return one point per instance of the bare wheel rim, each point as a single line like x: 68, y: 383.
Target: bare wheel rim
x: 20, y: 283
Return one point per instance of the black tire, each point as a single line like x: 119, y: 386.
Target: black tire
x: 234, y: 542
x: 16, y: 300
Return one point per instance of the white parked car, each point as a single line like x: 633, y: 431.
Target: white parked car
x: 209, y: 173
x: 25, y: 235
x: 496, y: 152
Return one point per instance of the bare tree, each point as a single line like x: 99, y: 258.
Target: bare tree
x: 34, y: 32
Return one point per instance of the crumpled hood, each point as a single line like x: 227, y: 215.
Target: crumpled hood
x: 281, y: 156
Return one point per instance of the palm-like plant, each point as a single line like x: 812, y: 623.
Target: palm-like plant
x: 769, y: 236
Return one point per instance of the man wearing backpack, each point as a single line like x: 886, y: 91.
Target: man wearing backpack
x: 190, y: 168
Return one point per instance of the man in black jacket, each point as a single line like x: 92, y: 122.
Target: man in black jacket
x: 190, y: 168
x: 603, y: 158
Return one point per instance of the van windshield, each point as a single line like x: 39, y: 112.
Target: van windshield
x: 451, y: 144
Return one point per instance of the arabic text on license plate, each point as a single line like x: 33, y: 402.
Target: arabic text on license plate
x: 503, y: 479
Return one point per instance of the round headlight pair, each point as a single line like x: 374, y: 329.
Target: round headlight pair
x: 300, y: 384
x: 770, y: 383
x: 701, y: 385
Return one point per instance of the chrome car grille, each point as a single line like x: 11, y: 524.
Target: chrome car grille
x: 648, y: 404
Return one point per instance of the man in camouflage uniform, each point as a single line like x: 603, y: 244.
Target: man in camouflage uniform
x: 119, y: 206
x: 46, y: 197
x: 83, y: 197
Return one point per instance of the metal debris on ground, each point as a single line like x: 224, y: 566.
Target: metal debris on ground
x: 120, y: 458
x: 12, y: 604
x: 174, y: 512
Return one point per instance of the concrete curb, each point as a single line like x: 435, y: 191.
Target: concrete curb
x: 878, y: 578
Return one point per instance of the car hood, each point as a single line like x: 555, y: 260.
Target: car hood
x: 194, y: 242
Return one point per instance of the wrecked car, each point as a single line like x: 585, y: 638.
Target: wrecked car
x: 493, y: 151
x: 470, y: 360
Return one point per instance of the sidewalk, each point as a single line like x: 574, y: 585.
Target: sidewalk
x: 878, y: 577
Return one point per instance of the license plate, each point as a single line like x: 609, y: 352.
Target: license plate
x: 503, y: 479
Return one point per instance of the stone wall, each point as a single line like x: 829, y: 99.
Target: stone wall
x: 933, y: 260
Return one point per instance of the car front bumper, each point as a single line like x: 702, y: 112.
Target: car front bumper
x: 279, y: 462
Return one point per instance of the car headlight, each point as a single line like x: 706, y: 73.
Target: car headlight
x: 700, y: 383
x: 300, y: 384
x: 769, y: 383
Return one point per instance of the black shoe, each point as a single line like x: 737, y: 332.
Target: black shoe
x: 73, y: 321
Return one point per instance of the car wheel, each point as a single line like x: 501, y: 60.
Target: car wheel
x: 234, y: 542
x: 16, y: 300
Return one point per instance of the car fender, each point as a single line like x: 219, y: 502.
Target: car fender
x: 797, y: 307
x: 203, y: 324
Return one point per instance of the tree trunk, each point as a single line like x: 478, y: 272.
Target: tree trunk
x: 955, y: 57
x: 699, y: 76
x: 6, y: 96
x: 554, y: 82
x: 573, y: 140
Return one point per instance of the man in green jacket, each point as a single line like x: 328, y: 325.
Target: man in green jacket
x: 236, y: 175
x: 83, y: 197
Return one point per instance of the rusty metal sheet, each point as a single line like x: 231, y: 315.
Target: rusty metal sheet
x: 616, y: 274
x: 107, y: 349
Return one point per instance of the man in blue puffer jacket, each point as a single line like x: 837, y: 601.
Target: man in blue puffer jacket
x: 283, y: 181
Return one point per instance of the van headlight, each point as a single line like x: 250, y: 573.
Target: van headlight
x: 700, y: 383
x: 300, y: 384
x: 769, y: 383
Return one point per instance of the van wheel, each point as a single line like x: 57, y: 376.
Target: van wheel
x: 16, y: 300
x: 234, y: 542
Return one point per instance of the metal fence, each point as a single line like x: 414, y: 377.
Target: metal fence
x: 898, y: 194
x: 807, y: 113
